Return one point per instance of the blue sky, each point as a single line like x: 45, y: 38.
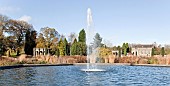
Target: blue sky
x: 117, y: 21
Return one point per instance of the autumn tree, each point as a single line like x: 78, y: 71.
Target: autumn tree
x: 50, y: 35
x: 1, y: 41
x: 3, y: 22
x: 17, y: 29
x: 4, y: 41
x: 40, y: 41
x: 48, y: 38
x: 104, y: 52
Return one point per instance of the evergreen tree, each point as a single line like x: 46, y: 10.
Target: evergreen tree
x: 84, y: 48
x: 57, y: 52
x: 162, y: 51
x: 73, y: 50
x: 119, y: 49
x: 81, y: 45
x: 66, y: 47
x: 30, y: 43
x: 75, y: 41
x: 125, y: 49
x: 81, y: 48
x: 82, y: 36
x: 27, y: 41
x: 153, y: 52
x: 61, y: 47
x: 97, y: 41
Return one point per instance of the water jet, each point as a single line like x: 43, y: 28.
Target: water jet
x: 92, y: 51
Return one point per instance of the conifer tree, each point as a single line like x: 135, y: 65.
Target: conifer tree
x: 66, y: 48
x: 30, y: 43
x: 61, y: 47
x: 162, y: 51
x: 82, y: 36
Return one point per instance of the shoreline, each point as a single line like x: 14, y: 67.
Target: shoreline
x: 81, y: 64
x: 121, y: 64
x: 151, y: 65
x: 31, y: 65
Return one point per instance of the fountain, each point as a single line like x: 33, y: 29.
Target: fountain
x: 92, y: 53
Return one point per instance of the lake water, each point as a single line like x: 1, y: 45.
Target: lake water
x: 72, y: 76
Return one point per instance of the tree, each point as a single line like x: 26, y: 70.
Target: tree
x: 119, y: 49
x: 53, y: 46
x: 1, y: 42
x: 62, y: 37
x: 57, y: 52
x: 50, y: 34
x: 73, y: 50
x: 3, y: 22
x: 48, y: 39
x: 30, y: 42
x: 66, y: 47
x: 81, y: 48
x: 61, y: 47
x: 82, y: 36
x: 75, y: 41
x: 71, y: 37
x: 10, y: 42
x: 84, y: 48
x: 125, y: 47
x: 153, y: 53
x: 18, y: 29
x: 162, y: 51
x: 97, y: 41
x: 40, y: 41
x: 81, y: 45
x: 107, y: 43
x: 27, y: 43
x: 104, y: 52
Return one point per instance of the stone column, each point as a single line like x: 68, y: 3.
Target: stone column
x: 34, y: 51
x: 106, y: 60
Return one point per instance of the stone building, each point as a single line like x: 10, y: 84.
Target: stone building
x: 142, y: 50
x: 39, y: 51
x: 115, y: 53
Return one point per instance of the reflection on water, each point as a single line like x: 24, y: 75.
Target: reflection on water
x: 72, y: 76
x: 17, y: 76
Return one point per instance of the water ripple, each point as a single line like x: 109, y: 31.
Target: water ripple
x: 72, y: 76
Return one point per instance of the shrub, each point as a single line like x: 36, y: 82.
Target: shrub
x: 152, y: 61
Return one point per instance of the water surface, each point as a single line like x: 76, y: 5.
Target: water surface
x: 72, y: 76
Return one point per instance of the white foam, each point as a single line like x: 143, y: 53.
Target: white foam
x: 93, y: 70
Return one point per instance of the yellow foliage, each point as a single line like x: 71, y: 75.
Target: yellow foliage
x: 40, y: 45
x: 103, y: 52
